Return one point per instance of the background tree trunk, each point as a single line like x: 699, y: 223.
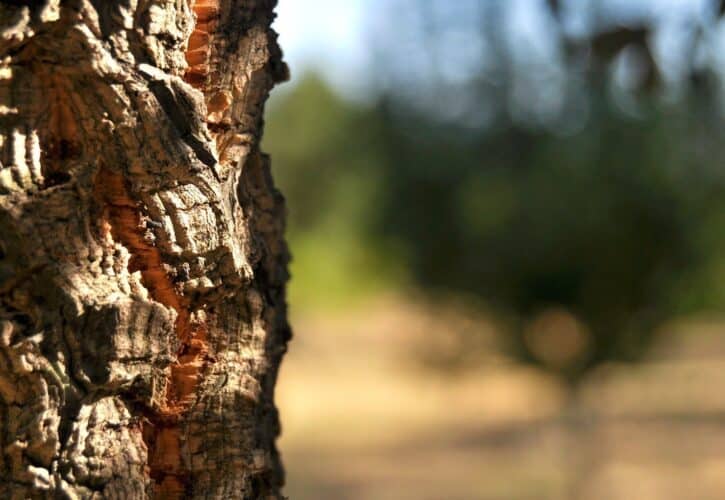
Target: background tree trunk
x: 142, y: 263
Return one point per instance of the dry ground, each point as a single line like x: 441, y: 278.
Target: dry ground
x: 365, y: 418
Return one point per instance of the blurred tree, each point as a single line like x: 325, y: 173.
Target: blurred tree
x: 559, y: 175
x: 574, y: 208
x: 533, y: 222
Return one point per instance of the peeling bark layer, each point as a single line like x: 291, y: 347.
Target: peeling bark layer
x: 142, y: 260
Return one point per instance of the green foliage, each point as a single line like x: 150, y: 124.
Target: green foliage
x: 620, y: 224
x: 328, y: 162
x: 602, y: 224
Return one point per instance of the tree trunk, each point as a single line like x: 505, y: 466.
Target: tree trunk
x: 142, y: 262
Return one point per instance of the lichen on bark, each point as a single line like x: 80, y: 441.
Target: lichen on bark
x: 142, y: 260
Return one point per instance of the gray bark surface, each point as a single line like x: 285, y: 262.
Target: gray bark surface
x: 142, y: 260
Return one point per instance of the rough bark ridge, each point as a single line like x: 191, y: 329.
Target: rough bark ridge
x: 142, y: 263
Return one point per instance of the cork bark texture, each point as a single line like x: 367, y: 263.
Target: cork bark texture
x: 142, y: 260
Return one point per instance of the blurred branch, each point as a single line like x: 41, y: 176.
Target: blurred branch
x: 555, y: 7
x: 609, y: 44
x: 606, y: 46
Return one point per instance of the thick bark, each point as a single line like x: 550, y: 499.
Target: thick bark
x: 142, y: 264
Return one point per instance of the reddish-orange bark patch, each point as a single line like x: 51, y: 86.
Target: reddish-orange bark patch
x: 198, y: 48
x: 122, y: 221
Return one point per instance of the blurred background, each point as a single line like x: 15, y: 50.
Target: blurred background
x: 507, y: 221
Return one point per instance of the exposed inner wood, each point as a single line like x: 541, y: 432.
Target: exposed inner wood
x: 163, y: 436
x: 199, y: 45
x: 122, y: 220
